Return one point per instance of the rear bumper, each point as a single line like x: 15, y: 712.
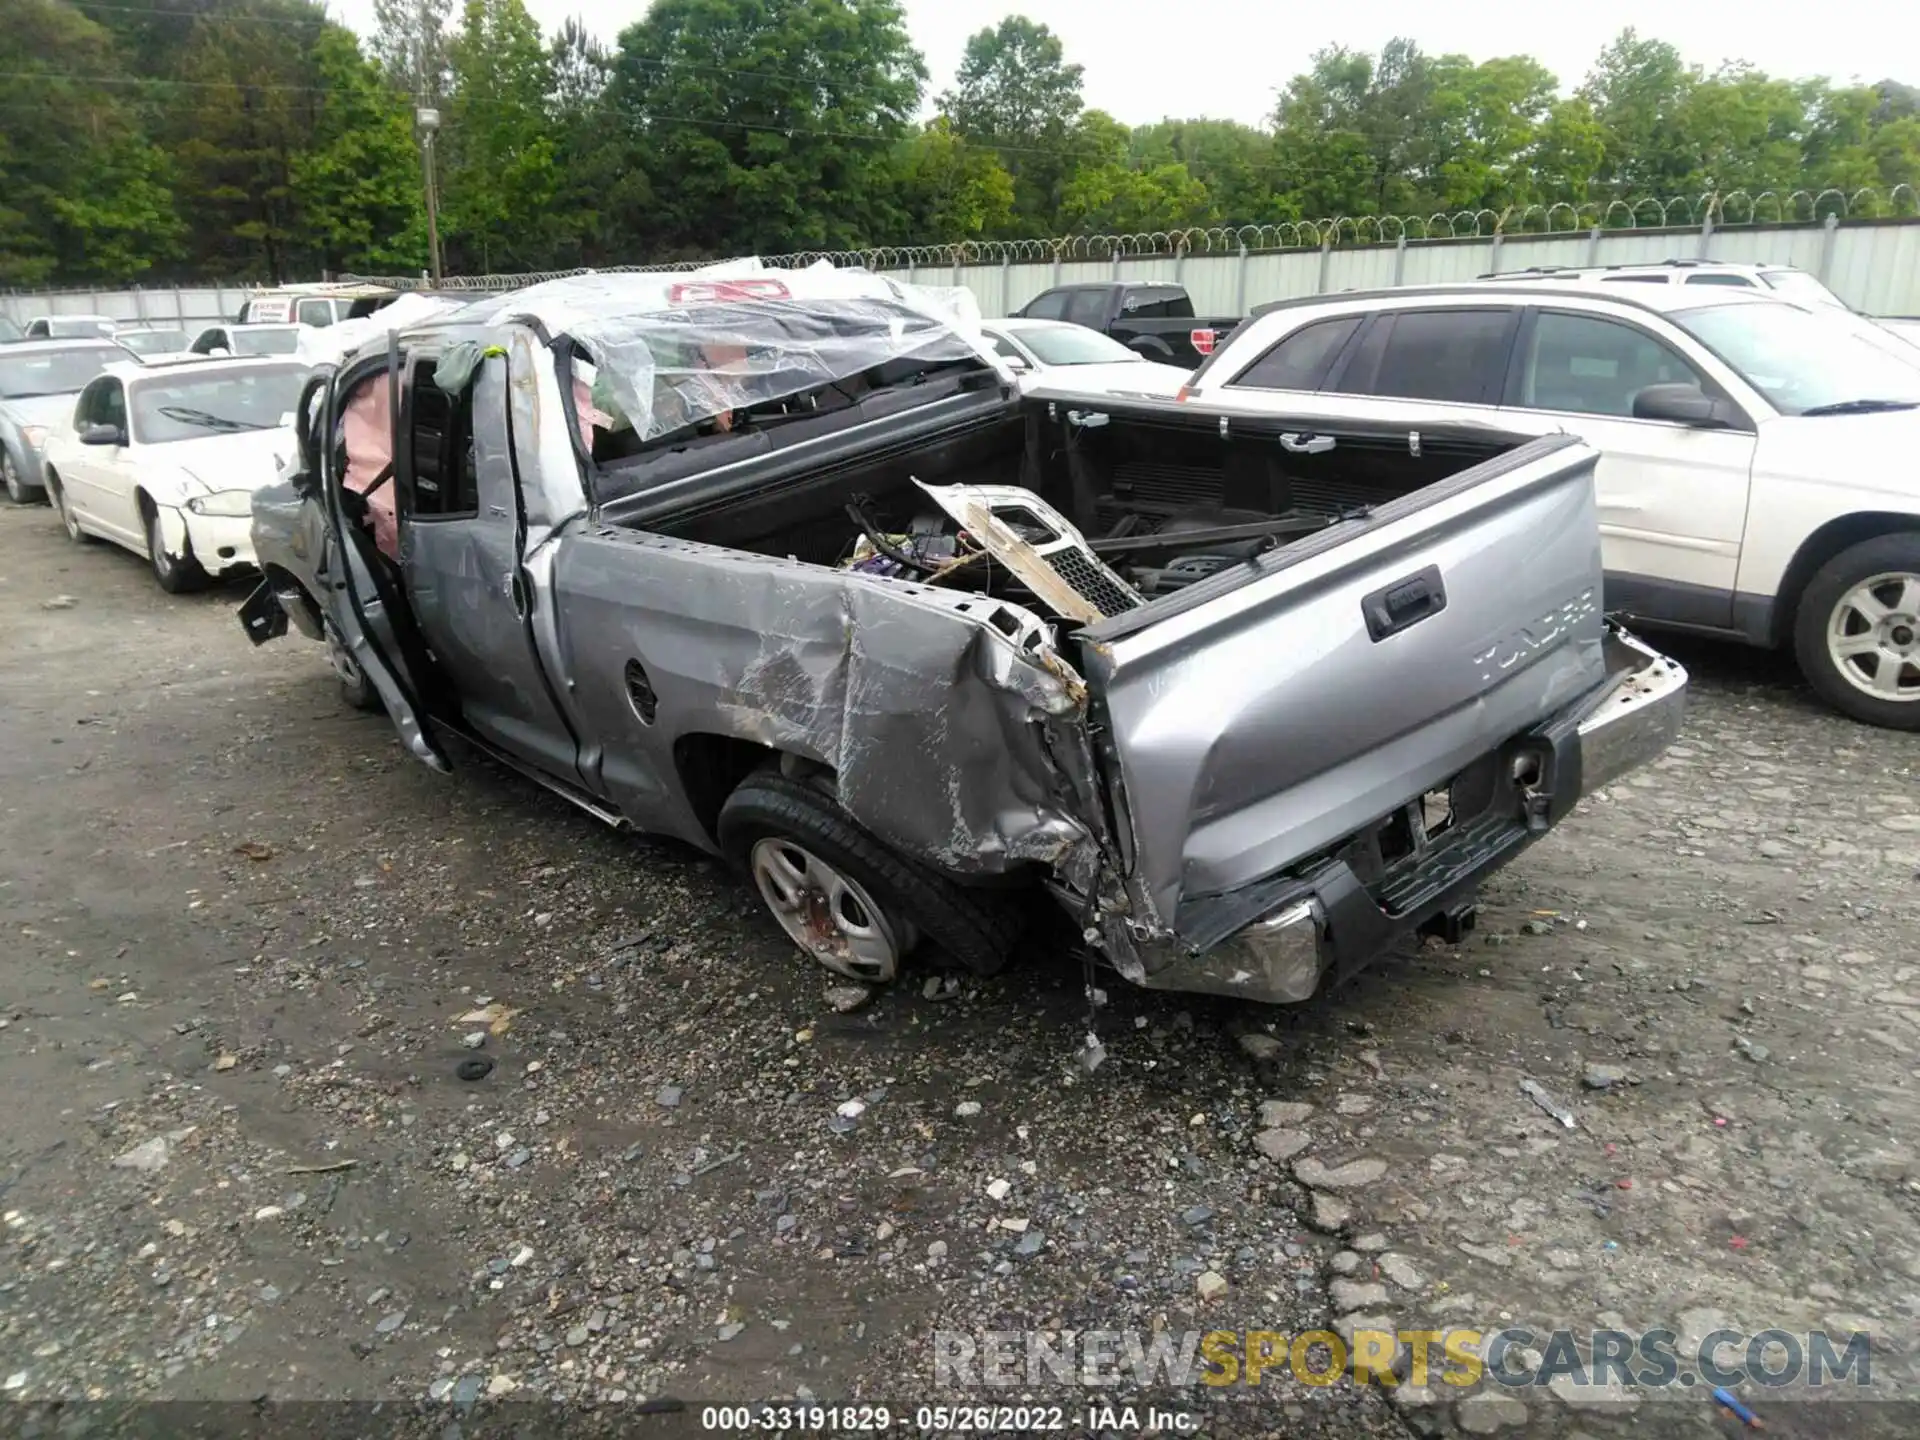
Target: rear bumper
x: 1279, y: 941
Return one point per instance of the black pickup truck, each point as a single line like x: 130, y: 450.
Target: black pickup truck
x: 1155, y: 319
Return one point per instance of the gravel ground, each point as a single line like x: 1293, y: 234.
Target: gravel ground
x: 253, y: 948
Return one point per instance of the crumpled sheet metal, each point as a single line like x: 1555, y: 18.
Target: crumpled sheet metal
x: 675, y: 350
x: 932, y: 721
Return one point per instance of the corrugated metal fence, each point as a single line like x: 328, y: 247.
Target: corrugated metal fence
x: 190, y: 307
x: 1874, y: 265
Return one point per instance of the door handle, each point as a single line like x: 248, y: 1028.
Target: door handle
x: 1306, y: 445
x: 1405, y: 603
x: 522, y: 598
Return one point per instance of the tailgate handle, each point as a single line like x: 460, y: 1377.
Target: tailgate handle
x: 1405, y: 603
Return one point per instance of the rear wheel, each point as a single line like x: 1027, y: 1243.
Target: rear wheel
x: 177, y: 574
x: 845, y: 898
x: 1857, y: 633
x: 355, y: 688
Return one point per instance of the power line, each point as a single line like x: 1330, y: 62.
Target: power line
x: 223, y: 18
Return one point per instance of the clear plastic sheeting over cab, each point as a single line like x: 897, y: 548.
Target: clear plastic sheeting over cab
x: 667, y: 354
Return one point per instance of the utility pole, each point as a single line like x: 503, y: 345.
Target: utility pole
x: 428, y: 120
x: 426, y: 116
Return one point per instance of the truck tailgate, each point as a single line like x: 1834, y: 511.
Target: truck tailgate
x: 1261, y: 716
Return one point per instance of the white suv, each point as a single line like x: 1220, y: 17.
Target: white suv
x: 1760, y: 463
x: 1789, y: 282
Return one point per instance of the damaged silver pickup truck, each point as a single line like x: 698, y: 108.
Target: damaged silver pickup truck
x: 780, y: 563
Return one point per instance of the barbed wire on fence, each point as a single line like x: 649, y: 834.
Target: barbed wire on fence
x: 1729, y: 208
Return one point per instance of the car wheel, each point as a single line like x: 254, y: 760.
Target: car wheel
x: 355, y: 688
x: 846, y: 899
x: 17, y: 490
x: 177, y: 574
x: 1857, y: 632
x: 57, y: 493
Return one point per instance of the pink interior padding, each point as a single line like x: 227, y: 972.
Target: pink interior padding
x: 586, y: 414
x: 368, y: 424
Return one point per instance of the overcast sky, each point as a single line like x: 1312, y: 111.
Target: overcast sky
x: 1226, y: 58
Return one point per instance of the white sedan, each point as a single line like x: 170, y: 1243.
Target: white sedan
x: 1073, y: 354
x: 252, y: 340
x: 164, y: 460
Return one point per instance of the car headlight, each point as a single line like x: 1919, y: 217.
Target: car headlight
x: 34, y: 435
x: 233, y: 504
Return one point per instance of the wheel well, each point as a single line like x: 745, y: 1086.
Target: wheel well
x: 1820, y: 547
x: 145, y: 502
x: 711, y: 767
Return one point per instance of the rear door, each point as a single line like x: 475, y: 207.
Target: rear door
x: 1255, y: 721
x: 461, y: 536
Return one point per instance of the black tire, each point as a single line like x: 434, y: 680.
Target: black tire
x: 1885, y: 555
x: 175, y: 574
x: 58, y: 497
x: 355, y: 688
x: 18, y: 491
x: 975, y: 928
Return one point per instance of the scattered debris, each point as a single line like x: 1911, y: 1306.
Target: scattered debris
x: 152, y: 1155
x: 1281, y: 1144
x: 1603, y: 1077
x: 477, y: 1068
x: 326, y: 1169
x: 1260, y: 1047
x: 1538, y: 1094
x: 1211, y: 1285
x: 845, y: 999
x: 58, y: 602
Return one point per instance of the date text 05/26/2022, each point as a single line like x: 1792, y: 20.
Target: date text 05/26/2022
x: 946, y: 1419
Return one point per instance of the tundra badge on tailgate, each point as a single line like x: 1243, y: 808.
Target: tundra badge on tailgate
x: 1541, y: 634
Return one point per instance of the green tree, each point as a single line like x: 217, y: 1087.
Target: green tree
x: 357, y: 183
x: 1105, y: 194
x: 409, y: 42
x: 768, y: 125
x: 951, y: 190
x: 1485, y: 121
x: 603, y: 202
x: 1354, y: 131
x: 83, y: 194
x: 1567, y: 152
x: 1016, y: 93
x: 1746, y: 131
x: 240, y: 103
x: 499, y: 179
x: 1639, y: 91
x: 1237, y: 163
